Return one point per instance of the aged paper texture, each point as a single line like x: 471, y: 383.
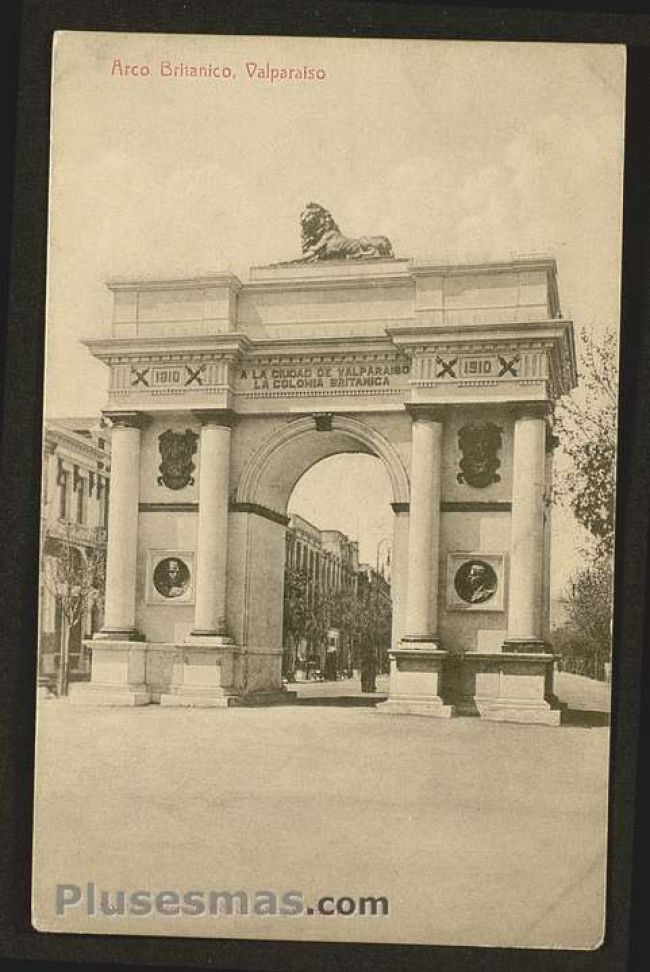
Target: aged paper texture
x: 328, y: 486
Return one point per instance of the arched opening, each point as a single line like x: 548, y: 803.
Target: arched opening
x: 337, y: 604
x: 276, y: 467
x: 325, y: 541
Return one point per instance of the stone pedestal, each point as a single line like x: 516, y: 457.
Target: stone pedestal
x: 118, y: 675
x: 204, y: 673
x: 504, y: 687
x: 415, y: 679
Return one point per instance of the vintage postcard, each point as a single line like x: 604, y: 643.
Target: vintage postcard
x: 328, y: 489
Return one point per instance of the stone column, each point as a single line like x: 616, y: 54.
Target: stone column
x: 122, y: 546
x: 551, y: 443
x: 206, y: 666
x: 212, y: 534
x: 424, y: 530
x: 417, y: 663
x: 527, y: 533
x: 398, y: 570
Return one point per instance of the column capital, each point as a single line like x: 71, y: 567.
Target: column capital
x: 529, y: 410
x: 127, y: 420
x: 427, y: 413
x: 222, y: 417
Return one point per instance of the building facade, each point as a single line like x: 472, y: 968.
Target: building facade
x: 325, y: 565
x: 222, y: 394
x: 329, y: 559
x: 74, y: 509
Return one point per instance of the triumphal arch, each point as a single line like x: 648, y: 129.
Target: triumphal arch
x: 222, y: 394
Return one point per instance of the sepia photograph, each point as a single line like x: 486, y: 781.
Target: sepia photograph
x: 328, y: 489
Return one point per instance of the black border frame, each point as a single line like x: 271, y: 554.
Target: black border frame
x: 20, y: 446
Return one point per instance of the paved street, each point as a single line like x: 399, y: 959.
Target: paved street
x: 343, y: 689
x: 478, y: 833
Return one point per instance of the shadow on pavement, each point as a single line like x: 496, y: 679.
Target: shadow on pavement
x: 584, y: 718
x: 369, y: 700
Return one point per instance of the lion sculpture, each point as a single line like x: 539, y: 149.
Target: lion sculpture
x: 323, y: 240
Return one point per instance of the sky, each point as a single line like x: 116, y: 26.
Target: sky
x: 456, y: 151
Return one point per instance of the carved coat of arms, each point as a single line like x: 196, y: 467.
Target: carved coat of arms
x: 479, y: 443
x: 177, y: 449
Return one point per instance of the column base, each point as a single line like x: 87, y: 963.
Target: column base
x: 505, y: 686
x: 118, y: 674
x: 186, y: 697
x: 415, y: 679
x: 433, y: 708
x: 508, y: 710
x: 525, y: 646
x: 426, y: 641
x: 87, y: 693
x: 209, y: 639
x: 114, y: 634
x: 204, y: 673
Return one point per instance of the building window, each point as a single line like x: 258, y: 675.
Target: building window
x: 63, y: 495
x: 81, y: 501
x: 103, y: 506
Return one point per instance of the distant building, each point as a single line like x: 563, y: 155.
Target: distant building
x: 328, y: 557
x: 74, y: 512
x: 329, y: 562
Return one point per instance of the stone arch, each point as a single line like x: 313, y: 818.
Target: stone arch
x: 276, y: 466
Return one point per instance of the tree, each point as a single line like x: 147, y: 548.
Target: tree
x: 75, y: 577
x: 584, y: 641
x: 367, y: 621
x: 586, y: 425
x: 325, y: 615
x: 362, y: 618
x: 298, y: 618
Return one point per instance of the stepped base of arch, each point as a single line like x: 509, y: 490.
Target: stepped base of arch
x: 416, y: 673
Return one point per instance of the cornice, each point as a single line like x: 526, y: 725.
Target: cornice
x: 414, y: 334
x: 337, y: 273
x: 323, y: 345
x: 57, y: 434
x: 529, y: 410
x: 228, y: 343
x: 546, y: 263
x: 127, y: 418
x: 182, y: 283
x: 427, y: 412
x: 308, y: 284
x: 289, y: 272
x: 221, y: 417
